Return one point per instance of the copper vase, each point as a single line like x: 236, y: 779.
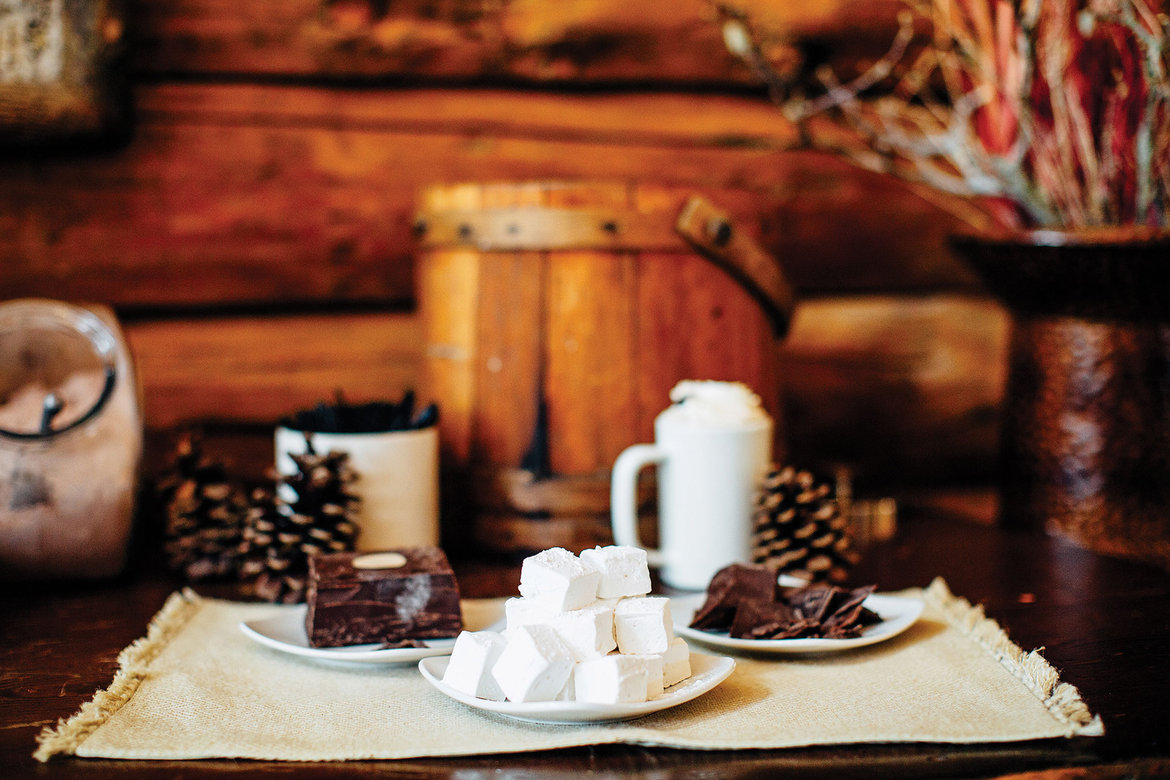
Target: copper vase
x: 1085, y: 442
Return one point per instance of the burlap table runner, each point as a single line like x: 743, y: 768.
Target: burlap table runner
x: 196, y: 687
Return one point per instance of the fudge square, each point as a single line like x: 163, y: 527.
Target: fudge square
x: 384, y: 597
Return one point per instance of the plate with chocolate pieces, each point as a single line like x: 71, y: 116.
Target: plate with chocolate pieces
x: 384, y: 607
x: 285, y: 632
x: 746, y: 607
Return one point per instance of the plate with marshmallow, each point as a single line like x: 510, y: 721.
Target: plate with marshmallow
x: 583, y: 642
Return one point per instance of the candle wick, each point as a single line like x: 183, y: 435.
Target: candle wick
x: 51, y: 407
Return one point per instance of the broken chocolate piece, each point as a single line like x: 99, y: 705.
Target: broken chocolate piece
x: 812, y: 602
x: 746, y: 601
x: 846, y: 609
x: 417, y: 598
x: 757, y: 619
x: 731, y: 585
x: 867, y: 618
x: 797, y: 629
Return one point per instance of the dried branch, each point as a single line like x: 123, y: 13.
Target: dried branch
x: 1059, y: 110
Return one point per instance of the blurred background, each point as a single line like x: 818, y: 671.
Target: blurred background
x: 243, y: 184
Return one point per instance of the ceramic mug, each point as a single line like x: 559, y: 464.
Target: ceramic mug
x: 398, y: 481
x: 708, y: 475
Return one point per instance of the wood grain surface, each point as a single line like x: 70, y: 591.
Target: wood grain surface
x: 523, y: 40
x: 268, y: 195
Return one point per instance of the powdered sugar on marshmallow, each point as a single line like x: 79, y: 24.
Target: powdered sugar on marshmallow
x: 559, y: 578
x: 624, y: 571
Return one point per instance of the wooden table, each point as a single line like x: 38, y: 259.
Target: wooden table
x: 1103, y: 622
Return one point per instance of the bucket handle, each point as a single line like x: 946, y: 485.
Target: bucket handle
x: 710, y: 231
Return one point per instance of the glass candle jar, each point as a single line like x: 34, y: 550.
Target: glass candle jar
x: 70, y: 441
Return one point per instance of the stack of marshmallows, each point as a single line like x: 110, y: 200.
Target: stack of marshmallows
x: 584, y: 629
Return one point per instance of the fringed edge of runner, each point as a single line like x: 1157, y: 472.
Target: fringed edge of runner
x: 1029, y: 667
x: 133, y: 666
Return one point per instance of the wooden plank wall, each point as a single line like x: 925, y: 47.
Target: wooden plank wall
x: 254, y: 234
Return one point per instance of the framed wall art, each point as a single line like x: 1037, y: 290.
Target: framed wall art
x: 61, y: 70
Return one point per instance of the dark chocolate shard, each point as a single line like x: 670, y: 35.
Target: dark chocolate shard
x: 840, y: 632
x: 797, y: 629
x: 867, y: 617
x: 759, y: 619
x: 846, y: 609
x: 731, y: 585
x: 812, y: 602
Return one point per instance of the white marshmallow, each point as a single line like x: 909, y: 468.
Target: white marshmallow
x: 558, y: 578
x: 611, y: 679
x: 526, y: 612
x: 534, y: 665
x: 676, y: 662
x: 587, y: 631
x: 469, y: 667
x: 652, y: 662
x: 643, y: 625
x: 624, y: 571
x: 569, y: 690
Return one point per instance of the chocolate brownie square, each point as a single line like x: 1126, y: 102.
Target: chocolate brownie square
x: 384, y: 597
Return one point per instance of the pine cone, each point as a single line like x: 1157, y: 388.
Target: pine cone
x: 203, y: 515
x: 281, y: 535
x: 798, y: 528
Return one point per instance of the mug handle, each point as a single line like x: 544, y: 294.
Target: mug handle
x: 623, y: 496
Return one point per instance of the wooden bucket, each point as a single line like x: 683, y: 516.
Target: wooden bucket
x: 557, y: 317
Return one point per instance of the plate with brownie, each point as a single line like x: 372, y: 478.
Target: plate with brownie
x: 387, y: 607
x: 746, y: 607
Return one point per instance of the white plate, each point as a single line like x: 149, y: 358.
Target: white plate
x: 898, y: 613
x: 285, y: 631
x: 707, y: 671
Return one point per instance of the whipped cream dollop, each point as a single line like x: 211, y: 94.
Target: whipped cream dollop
x: 710, y: 402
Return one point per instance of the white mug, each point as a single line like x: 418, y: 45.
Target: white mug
x: 708, y: 476
x: 398, y: 481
